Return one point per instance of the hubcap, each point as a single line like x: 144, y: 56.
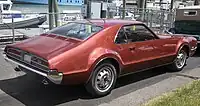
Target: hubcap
x: 181, y: 59
x: 104, y: 79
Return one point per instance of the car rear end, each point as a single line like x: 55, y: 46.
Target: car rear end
x: 32, y: 62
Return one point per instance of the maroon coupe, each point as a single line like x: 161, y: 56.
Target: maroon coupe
x: 97, y: 52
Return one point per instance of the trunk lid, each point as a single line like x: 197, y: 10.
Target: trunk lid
x: 47, y: 46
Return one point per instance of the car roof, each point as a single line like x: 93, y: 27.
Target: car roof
x: 109, y: 22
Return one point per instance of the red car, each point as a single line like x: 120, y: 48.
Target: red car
x: 97, y: 52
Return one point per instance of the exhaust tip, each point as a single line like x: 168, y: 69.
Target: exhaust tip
x: 17, y: 69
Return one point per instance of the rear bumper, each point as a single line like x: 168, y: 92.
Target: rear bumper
x: 53, y: 76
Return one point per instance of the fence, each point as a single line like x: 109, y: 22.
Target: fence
x: 14, y: 28
x: 155, y: 19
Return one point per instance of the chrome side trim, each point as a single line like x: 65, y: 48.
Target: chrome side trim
x: 33, y: 70
x: 144, y: 69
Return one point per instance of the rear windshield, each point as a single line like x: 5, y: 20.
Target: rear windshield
x: 76, y: 30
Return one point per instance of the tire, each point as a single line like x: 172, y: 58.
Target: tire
x: 180, y: 61
x: 102, y: 85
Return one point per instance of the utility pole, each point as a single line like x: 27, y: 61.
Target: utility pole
x: 161, y: 4
x: 141, y: 4
x: 56, y: 12
x: 53, y: 12
x: 124, y: 9
x: 88, y: 5
x: 143, y: 9
x: 171, y: 5
x: 50, y: 14
x: 162, y: 16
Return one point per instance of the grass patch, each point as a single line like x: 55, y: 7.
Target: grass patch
x: 188, y: 95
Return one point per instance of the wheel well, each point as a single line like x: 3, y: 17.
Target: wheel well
x: 187, y: 49
x: 112, y: 61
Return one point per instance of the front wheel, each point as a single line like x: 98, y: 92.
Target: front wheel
x: 102, y: 80
x: 180, y: 61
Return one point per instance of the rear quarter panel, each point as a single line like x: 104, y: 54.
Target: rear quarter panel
x: 79, y: 62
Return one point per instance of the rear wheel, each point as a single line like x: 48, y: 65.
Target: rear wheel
x: 180, y: 61
x: 103, y: 80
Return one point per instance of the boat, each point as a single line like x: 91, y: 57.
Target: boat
x: 71, y: 15
x: 68, y: 16
x: 8, y: 17
x: 60, y: 2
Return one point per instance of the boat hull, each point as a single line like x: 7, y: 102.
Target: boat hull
x: 29, y: 23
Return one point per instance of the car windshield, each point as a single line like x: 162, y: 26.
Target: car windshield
x: 76, y: 30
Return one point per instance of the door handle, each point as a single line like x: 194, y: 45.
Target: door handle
x: 131, y: 48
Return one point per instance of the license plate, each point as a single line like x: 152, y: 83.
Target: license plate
x: 27, y: 58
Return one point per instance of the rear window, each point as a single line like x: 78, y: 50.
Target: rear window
x: 76, y: 30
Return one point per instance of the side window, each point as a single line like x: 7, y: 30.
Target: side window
x: 136, y: 33
x: 121, y: 37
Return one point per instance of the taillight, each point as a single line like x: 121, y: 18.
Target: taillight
x: 40, y: 61
x: 14, y: 51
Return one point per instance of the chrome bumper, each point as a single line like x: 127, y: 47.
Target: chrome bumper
x: 193, y: 48
x: 53, y: 76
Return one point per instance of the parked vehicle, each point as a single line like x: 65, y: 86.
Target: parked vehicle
x: 187, y: 22
x: 97, y: 52
x: 20, y: 20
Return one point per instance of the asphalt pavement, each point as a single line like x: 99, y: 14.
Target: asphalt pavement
x: 20, y: 88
